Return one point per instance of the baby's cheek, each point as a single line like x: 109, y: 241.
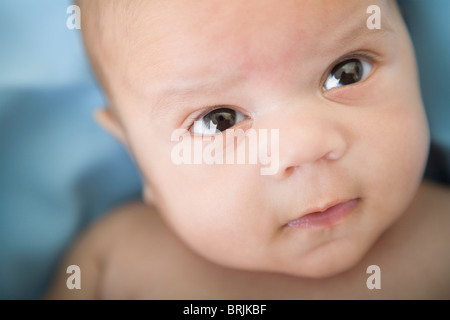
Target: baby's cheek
x: 223, y: 220
x: 412, y: 137
x: 400, y: 152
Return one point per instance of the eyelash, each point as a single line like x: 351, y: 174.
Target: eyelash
x: 372, y: 58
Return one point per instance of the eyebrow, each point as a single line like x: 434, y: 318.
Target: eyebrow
x: 360, y: 31
x: 178, y: 91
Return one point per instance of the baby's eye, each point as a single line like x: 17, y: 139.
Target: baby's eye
x: 347, y: 72
x: 216, y: 121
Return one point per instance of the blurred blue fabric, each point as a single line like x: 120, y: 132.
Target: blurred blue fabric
x: 429, y: 26
x: 59, y: 171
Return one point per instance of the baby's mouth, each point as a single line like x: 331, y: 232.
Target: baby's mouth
x: 327, y: 216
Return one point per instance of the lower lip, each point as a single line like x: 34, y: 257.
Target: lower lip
x: 326, y: 218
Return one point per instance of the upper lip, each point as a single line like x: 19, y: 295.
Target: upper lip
x: 325, y: 207
x: 322, y: 208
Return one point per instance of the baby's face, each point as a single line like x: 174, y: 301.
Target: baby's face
x: 344, y: 100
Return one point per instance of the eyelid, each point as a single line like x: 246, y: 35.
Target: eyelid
x: 370, y: 57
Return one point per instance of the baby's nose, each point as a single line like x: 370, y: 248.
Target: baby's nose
x: 307, y: 138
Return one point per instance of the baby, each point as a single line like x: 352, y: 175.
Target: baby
x: 347, y: 147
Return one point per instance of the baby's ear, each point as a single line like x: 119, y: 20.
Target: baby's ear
x: 108, y: 121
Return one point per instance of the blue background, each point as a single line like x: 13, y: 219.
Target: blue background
x: 59, y: 171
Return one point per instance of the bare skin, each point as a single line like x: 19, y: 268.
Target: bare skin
x: 164, y: 64
x: 133, y: 255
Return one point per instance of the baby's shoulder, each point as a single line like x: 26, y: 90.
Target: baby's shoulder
x: 143, y: 254
x: 120, y: 227
x: 432, y: 229
x: 430, y: 221
x: 413, y: 254
x: 127, y: 219
x: 96, y: 246
x: 129, y: 229
x: 435, y: 204
x: 428, y: 218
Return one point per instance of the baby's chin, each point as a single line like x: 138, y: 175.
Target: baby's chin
x: 334, y: 261
x: 324, y: 269
x: 324, y: 263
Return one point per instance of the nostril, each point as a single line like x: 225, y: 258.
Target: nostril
x: 289, y: 171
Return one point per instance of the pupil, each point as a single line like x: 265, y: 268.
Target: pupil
x: 223, y: 118
x: 348, y: 72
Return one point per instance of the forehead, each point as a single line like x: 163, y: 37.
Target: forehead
x: 160, y: 39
